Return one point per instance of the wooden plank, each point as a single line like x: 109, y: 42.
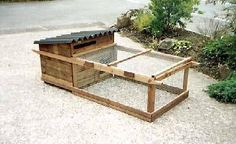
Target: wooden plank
x: 101, y: 78
x: 74, y: 74
x: 59, y: 49
x: 100, y: 42
x: 92, y: 50
x: 154, y: 54
x: 186, y: 60
x: 173, y: 71
x: 185, y: 80
x: 98, y: 99
x: 125, y: 59
x: 56, y: 64
x: 170, y: 105
x: 57, y: 82
x: 170, y: 89
x: 115, y: 105
x: 151, y: 98
x: 102, y: 67
x: 56, y: 68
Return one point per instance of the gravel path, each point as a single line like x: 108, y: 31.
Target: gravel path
x: 33, y: 112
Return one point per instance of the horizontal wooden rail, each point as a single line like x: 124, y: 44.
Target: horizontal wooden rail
x: 173, y: 71
x: 170, y: 105
x: 152, y: 54
x: 102, y: 67
x: 133, y: 56
x: 186, y: 60
x: 98, y: 99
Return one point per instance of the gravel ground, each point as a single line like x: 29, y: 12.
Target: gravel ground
x: 33, y: 112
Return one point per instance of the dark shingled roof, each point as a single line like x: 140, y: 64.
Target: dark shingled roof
x: 75, y: 37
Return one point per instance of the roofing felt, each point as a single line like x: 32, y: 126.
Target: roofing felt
x: 75, y: 37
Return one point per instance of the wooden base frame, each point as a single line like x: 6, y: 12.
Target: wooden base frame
x: 150, y: 81
x: 147, y: 116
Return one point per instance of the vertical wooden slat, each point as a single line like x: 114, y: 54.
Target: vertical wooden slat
x: 151, y: 98
x: 185, y: 80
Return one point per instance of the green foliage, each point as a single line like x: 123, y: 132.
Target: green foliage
x: 222, y: 50
x: 224, y: 91
x: 169, y: 13
x: 181, y: 46
x: 154, y: 45
x: 143, y: 20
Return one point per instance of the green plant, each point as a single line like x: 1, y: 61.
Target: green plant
x: 222, y: 50
x: 224, y: 91
x: 143, y: 20
x: 154, y: 44
x: 181, y: 46
x: 169, y: 13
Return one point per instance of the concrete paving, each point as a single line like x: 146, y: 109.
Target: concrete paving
x: 61, y: 14
x: 32, y: 112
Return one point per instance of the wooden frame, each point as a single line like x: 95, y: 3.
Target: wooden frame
x: 151, y: 81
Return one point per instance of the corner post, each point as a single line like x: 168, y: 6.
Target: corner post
x: 151, y: 98
x: 185, y: 80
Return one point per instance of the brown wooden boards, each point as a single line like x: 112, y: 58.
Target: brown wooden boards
x: 101, y: 67
x: 147, y: 116
x: 92, y: 44
x: 186, y: 60
x: 62, y: 67
x: 173, y: 71
x: 92, y: 50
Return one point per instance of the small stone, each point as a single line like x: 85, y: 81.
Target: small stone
x: 166, y: 44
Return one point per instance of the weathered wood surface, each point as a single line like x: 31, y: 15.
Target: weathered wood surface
x: 147, y: 116
x: 151, y: 98
x: 59, y: 49
x: 100, y: 42
x: 56, y: 68
x: 173, y: 71
x: 185, y: 79
x: 102, y: 67
x: 57, y: 82
x: 87, y: 76
x: 95, y: 49
x: 186, y: 60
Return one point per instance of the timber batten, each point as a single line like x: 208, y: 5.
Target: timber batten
x: 63, y: 64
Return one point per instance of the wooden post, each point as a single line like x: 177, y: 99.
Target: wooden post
x: 185, y: 80
x: 151, y: 98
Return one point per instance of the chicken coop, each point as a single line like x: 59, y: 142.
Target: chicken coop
x: 91, y: 65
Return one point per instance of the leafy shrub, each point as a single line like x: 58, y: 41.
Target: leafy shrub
x: 169, y: 13
x: 224, y: 91
x: 181, y: 46
x: 143, y: 20
x: 222, y: 50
